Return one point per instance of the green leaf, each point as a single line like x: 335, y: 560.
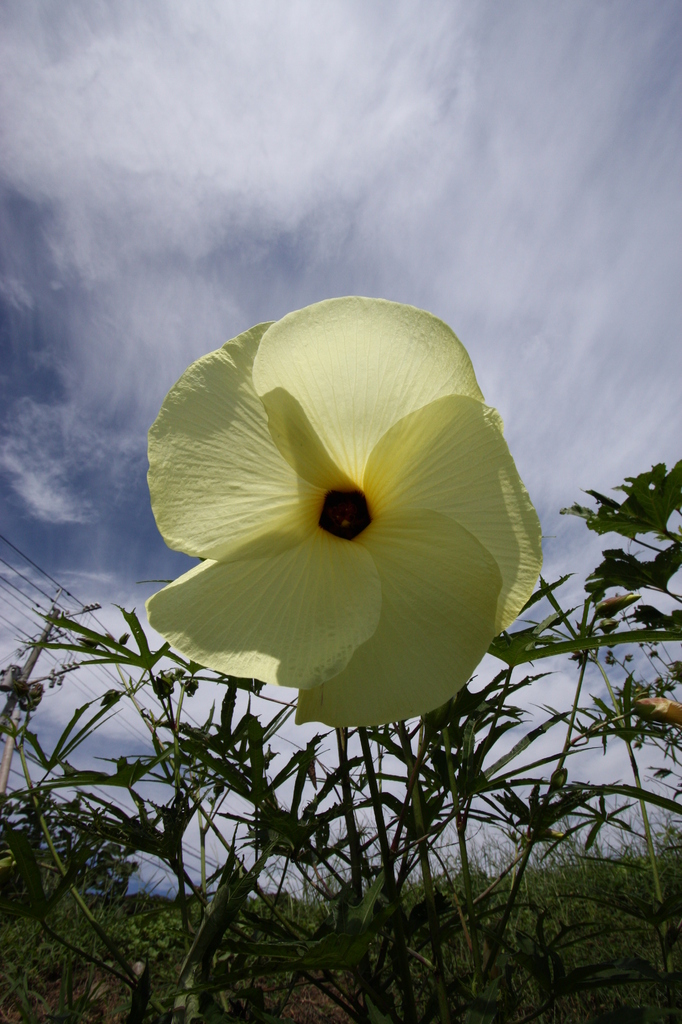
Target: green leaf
x: 221, y: 911
x: 522, y: 647
x: 39, y: 906
x: 523, y: 744
x: 376, y: 1016
x: 17, y: 909
x: 543, y: 590
x: 622, y: 569
x: 359, y: 917
x: 26, y: 863
x: 484, y: 1006
x: 333, y: 952
x: 104, y: 650
x: 255, y: 734
x: 68, y: 742
x: 147, y: 657
x: 655, y: 619
x: 635, y: 793
x: 652, y: 497
x: 611, y: 972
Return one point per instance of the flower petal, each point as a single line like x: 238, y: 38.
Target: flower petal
x: 216, y: 478
x: 359, y: 365
x: 452, y: 457
x: 292, y: 432
x: 293, y: 619
x: 439, y: 589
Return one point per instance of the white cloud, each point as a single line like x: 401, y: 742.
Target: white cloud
x: 514, y: 169
x: 48, y: 450
x: 186, y: 123
x: 32, y: 454
x: 14, y: 293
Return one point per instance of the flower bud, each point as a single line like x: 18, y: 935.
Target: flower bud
x: 612, y: 605
x: 659, y: 709
x: 608, y: 625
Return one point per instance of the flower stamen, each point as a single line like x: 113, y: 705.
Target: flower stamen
x: 345, y: 514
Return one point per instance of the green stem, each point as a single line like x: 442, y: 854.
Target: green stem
x: 202, y: 846
x: 464, y: 858
x: 635, y: 771
x: 429, y: 894
x: 353, y: 838
x: 391, y: 889
x: 511, y: 900
x: 294, y: 930
x: 669, y: 962
x: 182, y: 895
x: 574, y: 711
x: 95, y: 925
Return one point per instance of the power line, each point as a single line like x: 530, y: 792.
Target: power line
x: 13, y: 625
x: 105, y: 672
x: 30, y: 582
x: 35, y: 566
x: 7, y: 583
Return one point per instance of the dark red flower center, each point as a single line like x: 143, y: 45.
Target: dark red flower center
x: 345, y: 514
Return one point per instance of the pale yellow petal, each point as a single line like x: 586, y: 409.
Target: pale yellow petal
x: 216, y: 479
x: 451, y: 456
x: 293, y: 619
x: 439, y: 590
x: 357, y: 366
x: 292, y: 432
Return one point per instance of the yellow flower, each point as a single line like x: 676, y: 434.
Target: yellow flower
x: 365, y: 533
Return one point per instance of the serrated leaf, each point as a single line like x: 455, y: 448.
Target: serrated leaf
x: 652, y: 497
x: 623, y: 569
x: 521, y: 647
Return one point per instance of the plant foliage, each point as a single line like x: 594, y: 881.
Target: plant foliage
x: 352, y: 865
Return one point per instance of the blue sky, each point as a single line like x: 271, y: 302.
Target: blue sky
x: 172, y: 174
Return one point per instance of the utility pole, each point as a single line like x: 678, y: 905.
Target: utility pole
x: 14, y: 679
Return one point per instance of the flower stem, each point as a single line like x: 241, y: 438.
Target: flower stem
x: 429, y: 894
x: 391, y: 889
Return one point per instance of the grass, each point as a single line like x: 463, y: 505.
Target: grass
x: 587, y: 910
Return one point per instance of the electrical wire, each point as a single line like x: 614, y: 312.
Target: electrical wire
x: 30, y: 582
x: 35, y: 566
x: 104, y: 672
x: 4, y: 584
